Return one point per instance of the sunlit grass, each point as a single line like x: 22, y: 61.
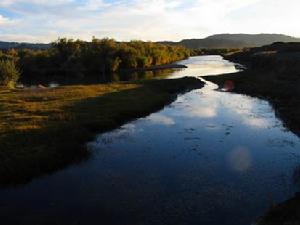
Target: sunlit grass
x: 44, y: 129
x: 33, y: 109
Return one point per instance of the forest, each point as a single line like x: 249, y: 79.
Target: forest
x: 73, y: 59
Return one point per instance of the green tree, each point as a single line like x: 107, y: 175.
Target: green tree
x: 9, y: 74
x: 69, y: 59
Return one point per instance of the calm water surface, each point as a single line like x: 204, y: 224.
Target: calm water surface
x: 208, y: 158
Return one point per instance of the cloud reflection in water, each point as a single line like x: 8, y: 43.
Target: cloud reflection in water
x: 161, y: 119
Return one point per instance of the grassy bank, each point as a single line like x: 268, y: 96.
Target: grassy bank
x: 46, y: 129
x: 274, y: 74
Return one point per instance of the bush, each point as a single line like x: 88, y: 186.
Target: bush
x: 9, y: 74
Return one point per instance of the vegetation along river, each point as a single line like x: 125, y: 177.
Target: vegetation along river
x: 209, y: 158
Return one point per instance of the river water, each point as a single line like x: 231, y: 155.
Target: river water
x: 210, y: 157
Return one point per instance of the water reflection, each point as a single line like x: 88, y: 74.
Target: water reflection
x: 94, y: 79
x: 296, y: 177
x: 161, y: 119
x: 216, y: 165
x: 240, y: 159
x: 208, y: 65
x: 204, y: 111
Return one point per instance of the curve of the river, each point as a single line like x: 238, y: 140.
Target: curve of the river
x: 209, y: 158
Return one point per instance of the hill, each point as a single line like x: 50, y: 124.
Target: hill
x: 235, y: 41
x: 217, y: 41
x: 17, y: 45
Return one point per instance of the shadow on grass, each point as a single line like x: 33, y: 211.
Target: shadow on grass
x: 61, y: 140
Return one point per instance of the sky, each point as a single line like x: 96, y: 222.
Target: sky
x: 148, y: 20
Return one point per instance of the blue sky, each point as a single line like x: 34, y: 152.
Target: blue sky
x: 46, y: 20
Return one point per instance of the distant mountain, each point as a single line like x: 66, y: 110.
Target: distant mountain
x: 235, y: 41
x: 17, y: 45
x: 212, y: 42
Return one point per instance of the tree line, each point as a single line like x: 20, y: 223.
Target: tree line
x: 78, y: 59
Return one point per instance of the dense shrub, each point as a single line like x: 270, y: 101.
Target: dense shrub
x: 9, y: 74
x: 101, y: 57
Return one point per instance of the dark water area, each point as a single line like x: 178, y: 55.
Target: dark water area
x: 49, y: 81
x: 209, y: 158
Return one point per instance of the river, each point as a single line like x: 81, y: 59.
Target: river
x: 209, y: 158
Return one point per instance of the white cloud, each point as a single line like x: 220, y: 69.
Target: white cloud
x: 147, y: 19
x: 94, y: 5
x: 6, y: 2
x: 4, y: 21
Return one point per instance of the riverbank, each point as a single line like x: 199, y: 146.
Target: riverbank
x: 46, y: 129
x: 286, y: 213
x: 274, y: 74
x: 158, y: 67
x: 283, y: 94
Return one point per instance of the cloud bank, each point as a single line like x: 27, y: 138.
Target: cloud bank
x: 44, y: 20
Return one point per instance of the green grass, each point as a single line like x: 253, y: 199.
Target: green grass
x: 46, y: 129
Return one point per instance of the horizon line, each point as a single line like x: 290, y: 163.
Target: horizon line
x: 73, y: 38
